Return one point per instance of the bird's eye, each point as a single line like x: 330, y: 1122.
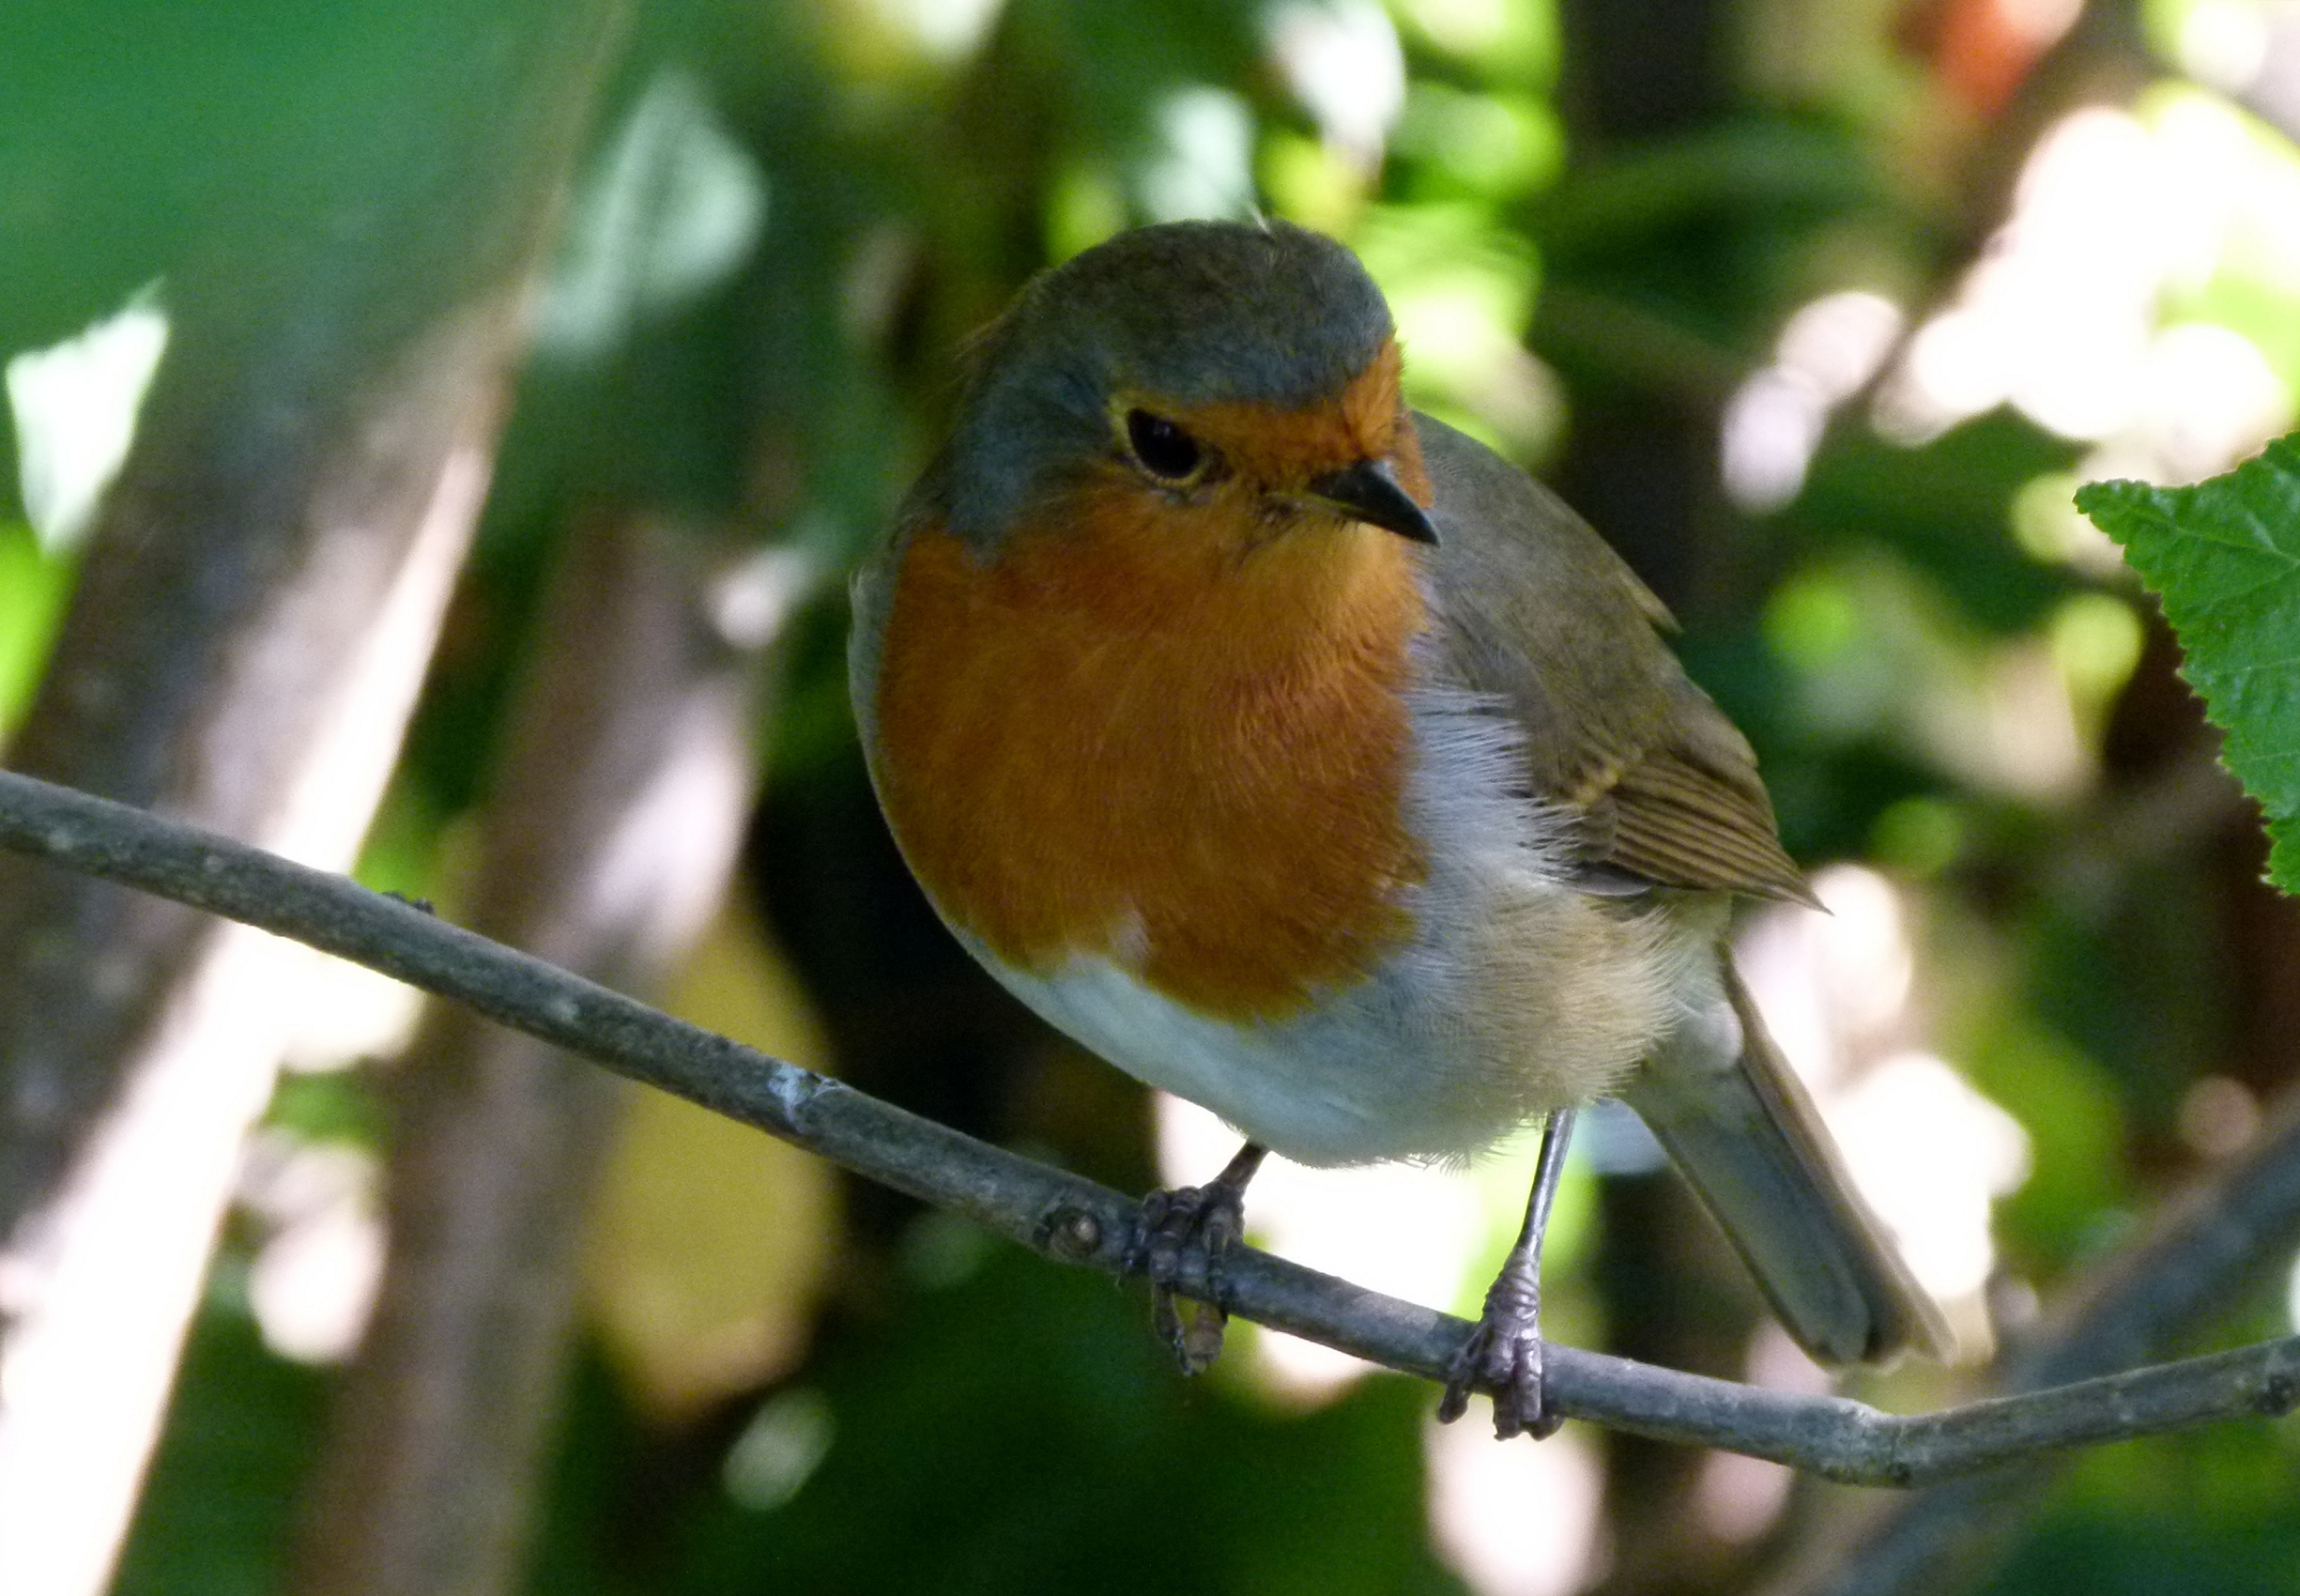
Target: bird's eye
x: 1164, y: 448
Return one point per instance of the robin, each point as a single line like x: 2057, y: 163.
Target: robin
x: 1303, y: 757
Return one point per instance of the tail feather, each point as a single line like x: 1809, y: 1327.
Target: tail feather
x: 1749, y: 1138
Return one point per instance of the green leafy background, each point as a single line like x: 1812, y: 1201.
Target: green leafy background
x: 1596, y: 223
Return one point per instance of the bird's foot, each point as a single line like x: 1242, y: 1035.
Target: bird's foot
x: 1184, y: 1226
x: 1503, y: 1355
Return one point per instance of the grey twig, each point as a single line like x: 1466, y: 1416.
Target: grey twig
x: 1075, y: 1221
x: 2202, y: 1248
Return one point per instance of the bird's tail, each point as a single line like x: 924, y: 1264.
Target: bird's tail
x: 1740, y: 1126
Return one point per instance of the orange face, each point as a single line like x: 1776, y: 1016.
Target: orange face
x: 1257, y: 456
x: 1165, y: 725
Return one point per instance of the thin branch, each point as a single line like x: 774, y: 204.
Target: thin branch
x: 1073, y: 1219
x: 2202, y: 1247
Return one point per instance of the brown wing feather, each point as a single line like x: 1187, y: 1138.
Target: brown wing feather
x: 1540, y: 613
x: 1681, y: 826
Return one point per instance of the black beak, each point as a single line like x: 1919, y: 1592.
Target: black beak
x: 1369, y: 492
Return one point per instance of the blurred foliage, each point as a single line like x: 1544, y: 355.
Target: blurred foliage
x: 34, y: 586
x: 1020, y: 1421
x: 695, y: 1300
x: 216, y: 1521
x: 795, y: 214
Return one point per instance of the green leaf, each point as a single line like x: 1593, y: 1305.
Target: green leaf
x: 2224, y: 559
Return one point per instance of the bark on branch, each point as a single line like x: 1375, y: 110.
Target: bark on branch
x: 1074, y: 1221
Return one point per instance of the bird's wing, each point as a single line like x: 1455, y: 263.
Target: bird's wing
x: 1534, y: 610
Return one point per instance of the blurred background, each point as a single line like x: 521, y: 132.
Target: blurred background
x: 436, y: 443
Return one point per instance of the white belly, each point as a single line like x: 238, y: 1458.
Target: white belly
x: 1345, y: 1085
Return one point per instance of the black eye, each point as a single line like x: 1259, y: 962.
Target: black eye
x: 1164, y: 448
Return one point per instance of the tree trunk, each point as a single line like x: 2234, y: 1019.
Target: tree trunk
x: 251, y: 623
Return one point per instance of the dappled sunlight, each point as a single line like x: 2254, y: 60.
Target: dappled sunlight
x: 1342, y: 62
x: 1931, y: 1154
x: 123, y: 1249
x: 2102, y: 329
x: 659, y: 872
x: 1462, y: 293
x: 1205, y: 163
x: 313, y: 1279
x: 944, y: 31
x: 75, y: 406
x: 1408, y: 1231
x: 345, y: 1013
x: 1516, y: 1518
x: 2219, y: 1117
x: 669, y: 210
x: 2055, y: 318
x: 1879, y: 655
x: 1831, y: 985
x: 1828, y: 351
x: 1839, y: 991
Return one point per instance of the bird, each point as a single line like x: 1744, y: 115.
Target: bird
x: 1302, y: 756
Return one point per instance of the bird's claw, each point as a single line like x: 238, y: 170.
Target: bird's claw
x: 1503, y: 1355
x: 1178, y: 1226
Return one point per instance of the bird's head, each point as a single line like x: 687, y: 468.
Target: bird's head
x: 1205, y: 390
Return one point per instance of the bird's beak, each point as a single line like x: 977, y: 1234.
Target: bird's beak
x: 1369, y: 492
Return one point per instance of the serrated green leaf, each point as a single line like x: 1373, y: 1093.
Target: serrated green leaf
x: 2223, y: 557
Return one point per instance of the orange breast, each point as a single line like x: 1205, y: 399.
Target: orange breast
x: 1146, y: 738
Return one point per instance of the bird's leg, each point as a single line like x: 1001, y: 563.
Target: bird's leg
x: 1504, y: 1353
x: 1175, y: 1224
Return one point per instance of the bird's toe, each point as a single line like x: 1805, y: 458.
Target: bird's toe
x: 1502, y: 1356
x: 1179, y: 1245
